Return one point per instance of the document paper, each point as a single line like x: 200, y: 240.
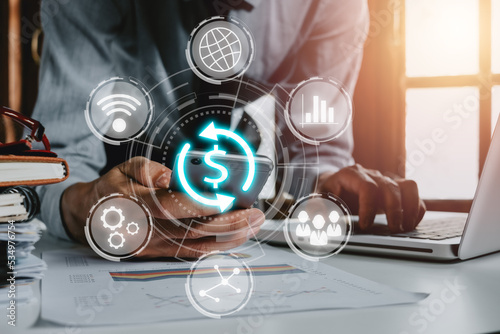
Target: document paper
x: 82, y: 289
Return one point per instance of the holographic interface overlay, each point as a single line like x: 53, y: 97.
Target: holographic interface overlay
x: 119, y: 110
x: 319, y: 226
x: 241, y: 107
x: 118, y: 227
x: 319, y: 110
x: 219, y: 284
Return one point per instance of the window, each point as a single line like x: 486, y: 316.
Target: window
x: 452, y: 92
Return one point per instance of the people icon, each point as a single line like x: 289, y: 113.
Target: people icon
x: 303, y: 229
x: 317, y: 236
x: 318, y: 226
x: 334, y: 229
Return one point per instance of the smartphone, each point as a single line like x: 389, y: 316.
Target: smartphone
x: 201, y: 176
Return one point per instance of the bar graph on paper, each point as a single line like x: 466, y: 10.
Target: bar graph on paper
x: 321, y: 114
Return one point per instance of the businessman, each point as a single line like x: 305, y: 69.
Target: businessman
x: 87, y: 42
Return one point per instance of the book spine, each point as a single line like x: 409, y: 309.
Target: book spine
x: 31, y: 200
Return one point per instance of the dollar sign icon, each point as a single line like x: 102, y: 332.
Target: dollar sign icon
x: 215, y: 165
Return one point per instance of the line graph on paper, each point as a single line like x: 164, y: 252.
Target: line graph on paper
x: 293, y: 294
x: 166, y: 301
x: 169, y: 301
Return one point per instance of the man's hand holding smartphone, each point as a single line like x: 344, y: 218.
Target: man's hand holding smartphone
x: 146, y: 179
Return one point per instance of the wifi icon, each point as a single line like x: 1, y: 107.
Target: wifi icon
x: 119, y: 110
x: 119, y: 103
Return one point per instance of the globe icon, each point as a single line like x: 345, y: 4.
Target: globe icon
x: 220, y: 49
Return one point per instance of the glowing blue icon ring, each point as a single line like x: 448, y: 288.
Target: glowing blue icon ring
x: 221, y: 201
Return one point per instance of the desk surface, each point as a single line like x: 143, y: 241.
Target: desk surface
x: 464, y: 298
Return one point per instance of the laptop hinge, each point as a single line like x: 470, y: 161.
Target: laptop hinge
x: 412, y: 249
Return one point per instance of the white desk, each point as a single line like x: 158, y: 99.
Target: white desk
x: 473, y: 308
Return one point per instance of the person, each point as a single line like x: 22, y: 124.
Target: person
x: 87, y: 42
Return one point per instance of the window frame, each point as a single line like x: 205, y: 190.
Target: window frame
x: 484, y: 80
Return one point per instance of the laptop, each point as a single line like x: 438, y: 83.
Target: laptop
x: 440, y: 236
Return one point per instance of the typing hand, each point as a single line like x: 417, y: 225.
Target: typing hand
x: 147, y: 179
x: 368, y: 192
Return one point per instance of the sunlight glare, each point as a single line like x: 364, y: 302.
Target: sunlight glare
x: 442, y: 37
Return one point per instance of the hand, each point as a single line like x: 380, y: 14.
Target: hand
x: 147, y: 179
x: 368, y: 192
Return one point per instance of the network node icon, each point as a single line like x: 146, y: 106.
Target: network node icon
x: 119, y: 110
x: 318, y: 226
x: 319, y: 110
x: 118, y: 227
x: 219, y: 284
x: 220, y: 49
x: 224, y: 281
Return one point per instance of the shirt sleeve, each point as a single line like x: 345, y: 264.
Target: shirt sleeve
x: 331, y: 47
x: 79, y: 43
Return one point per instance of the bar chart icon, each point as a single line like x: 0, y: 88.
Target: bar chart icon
x: 318, y: 110
x: 321, y: 114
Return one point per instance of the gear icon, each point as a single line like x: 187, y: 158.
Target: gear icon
x: 110, y: 240
x: 135, y: 228
x: 105, y: 213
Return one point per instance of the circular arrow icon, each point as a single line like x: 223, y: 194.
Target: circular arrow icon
x: 223, y: 202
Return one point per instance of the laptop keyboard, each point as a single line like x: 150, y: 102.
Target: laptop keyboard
x: 432, y: 229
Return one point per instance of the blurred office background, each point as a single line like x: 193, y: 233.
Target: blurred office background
x: 426, y: 102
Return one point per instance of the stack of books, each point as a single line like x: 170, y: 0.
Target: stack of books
x: 22, y: 167
x: 19, y: 230
x: 18, y: 234
x: 19, y: 269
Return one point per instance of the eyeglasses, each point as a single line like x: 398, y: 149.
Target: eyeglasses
x: 23, y: 146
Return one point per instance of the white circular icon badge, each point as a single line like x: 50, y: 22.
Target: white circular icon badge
x: 118, y: 227
x: 319, y: 110
x: 220, y: 49
x: 119, y: 110
x: 318, y: 226
x: 219, y: 284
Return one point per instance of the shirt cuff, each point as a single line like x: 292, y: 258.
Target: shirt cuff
x: 50, y: 207
x: 306, y: 178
